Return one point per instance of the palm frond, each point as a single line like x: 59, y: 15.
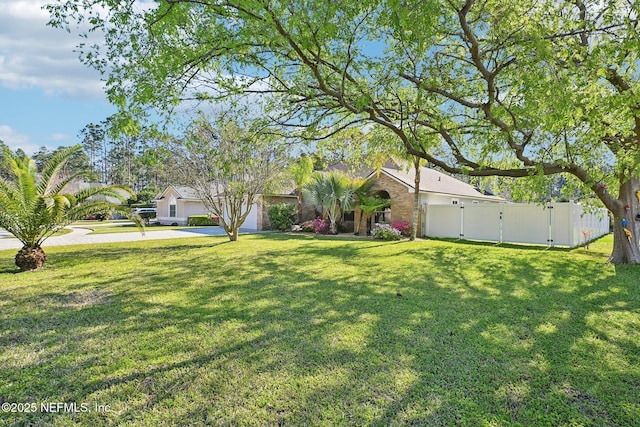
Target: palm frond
x: 118, y: 192
x: 57, y: 188
x: 23, y: 171
x: 53, y: 167
x: 33, y: 210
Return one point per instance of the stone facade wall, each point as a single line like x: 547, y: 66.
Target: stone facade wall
x: 401, y: 201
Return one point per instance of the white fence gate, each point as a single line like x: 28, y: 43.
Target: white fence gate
x: 554, y: 224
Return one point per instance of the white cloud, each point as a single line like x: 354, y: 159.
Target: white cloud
x: 15, y: 140
x: 58, y: 137
x: 33, y: 55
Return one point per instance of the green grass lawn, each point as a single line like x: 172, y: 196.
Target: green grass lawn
x: 298, y: 330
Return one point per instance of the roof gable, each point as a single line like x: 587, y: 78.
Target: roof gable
x: 181, y: 192
x: 432, y: 181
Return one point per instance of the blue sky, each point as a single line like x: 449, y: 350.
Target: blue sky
x: 46, y: 94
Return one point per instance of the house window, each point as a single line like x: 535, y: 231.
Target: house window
x: 349, y: 216
x: 172, y: 207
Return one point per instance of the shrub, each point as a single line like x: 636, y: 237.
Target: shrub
x: 282, y: 216
x: 402, y: 226
x: 385, y: 232
x: 200, y: 220
x: 320, y: 226
x: 307, y: 226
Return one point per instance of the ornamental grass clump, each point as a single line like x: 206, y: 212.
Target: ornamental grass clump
x: 385, y: 232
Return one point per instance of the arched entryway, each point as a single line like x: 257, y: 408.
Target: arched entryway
x: 382, y: 215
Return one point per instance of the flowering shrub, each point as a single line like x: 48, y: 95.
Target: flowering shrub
x: 307, y: 226
x: 320, y: 226
x: 402, y: 226
x: 385, y: 232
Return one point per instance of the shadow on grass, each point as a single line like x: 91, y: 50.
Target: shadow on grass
x: 275, y: 330
x: 522, y: 247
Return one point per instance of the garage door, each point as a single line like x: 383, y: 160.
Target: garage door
x: 251, y: 222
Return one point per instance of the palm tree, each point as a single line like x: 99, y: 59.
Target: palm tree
x: 33, y: 208
x: 368, y: 205
x: 332, y: 194
x: 301, y: 171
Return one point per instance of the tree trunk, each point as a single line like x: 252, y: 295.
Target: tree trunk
x: 230, y: 229
x: 29, y: 258
x: 358, y: 223
x: 626, y: 249
x: 333, y: 227
x: 416, y: 199
x: 299, y: 207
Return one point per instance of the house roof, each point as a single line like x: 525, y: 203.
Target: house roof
x: 183, y: 192
x: 432, y: 181
x: 188, y: 193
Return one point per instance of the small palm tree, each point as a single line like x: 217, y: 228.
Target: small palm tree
x: 368, y: 205
x: 32, y: 208
x: 332, y: 193
x: 301, y: 172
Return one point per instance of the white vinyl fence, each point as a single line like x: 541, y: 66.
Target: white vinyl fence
x: 554, y: 224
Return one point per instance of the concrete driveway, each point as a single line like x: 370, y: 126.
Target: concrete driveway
x: 81, y: 236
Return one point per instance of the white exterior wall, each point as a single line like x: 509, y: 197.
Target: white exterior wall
x: 191, y: 207
x: 188, y: 207
x: 447, y: 199
x: 162, y: 206
x: 184, y: 209
x: 251, y: 222
x: 556, y: 224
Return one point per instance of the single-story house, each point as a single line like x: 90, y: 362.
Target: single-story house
x: 177, y: 202
x: 442, y: 201
x: 436, y: 188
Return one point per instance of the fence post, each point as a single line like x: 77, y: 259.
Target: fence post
x: 425, y: 220
x: 501, y: 223
x: 572, y: 233
x: 461, y: 221
x: 550, y: 219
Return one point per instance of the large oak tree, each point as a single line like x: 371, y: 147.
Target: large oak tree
x: 519, y: 89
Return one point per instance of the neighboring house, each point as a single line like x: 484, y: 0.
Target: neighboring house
x: 176, y: 203
x: 436, y: 188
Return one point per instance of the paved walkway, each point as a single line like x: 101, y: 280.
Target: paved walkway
x: 80, y: 236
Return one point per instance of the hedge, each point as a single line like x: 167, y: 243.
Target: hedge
x: 199, y: 220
